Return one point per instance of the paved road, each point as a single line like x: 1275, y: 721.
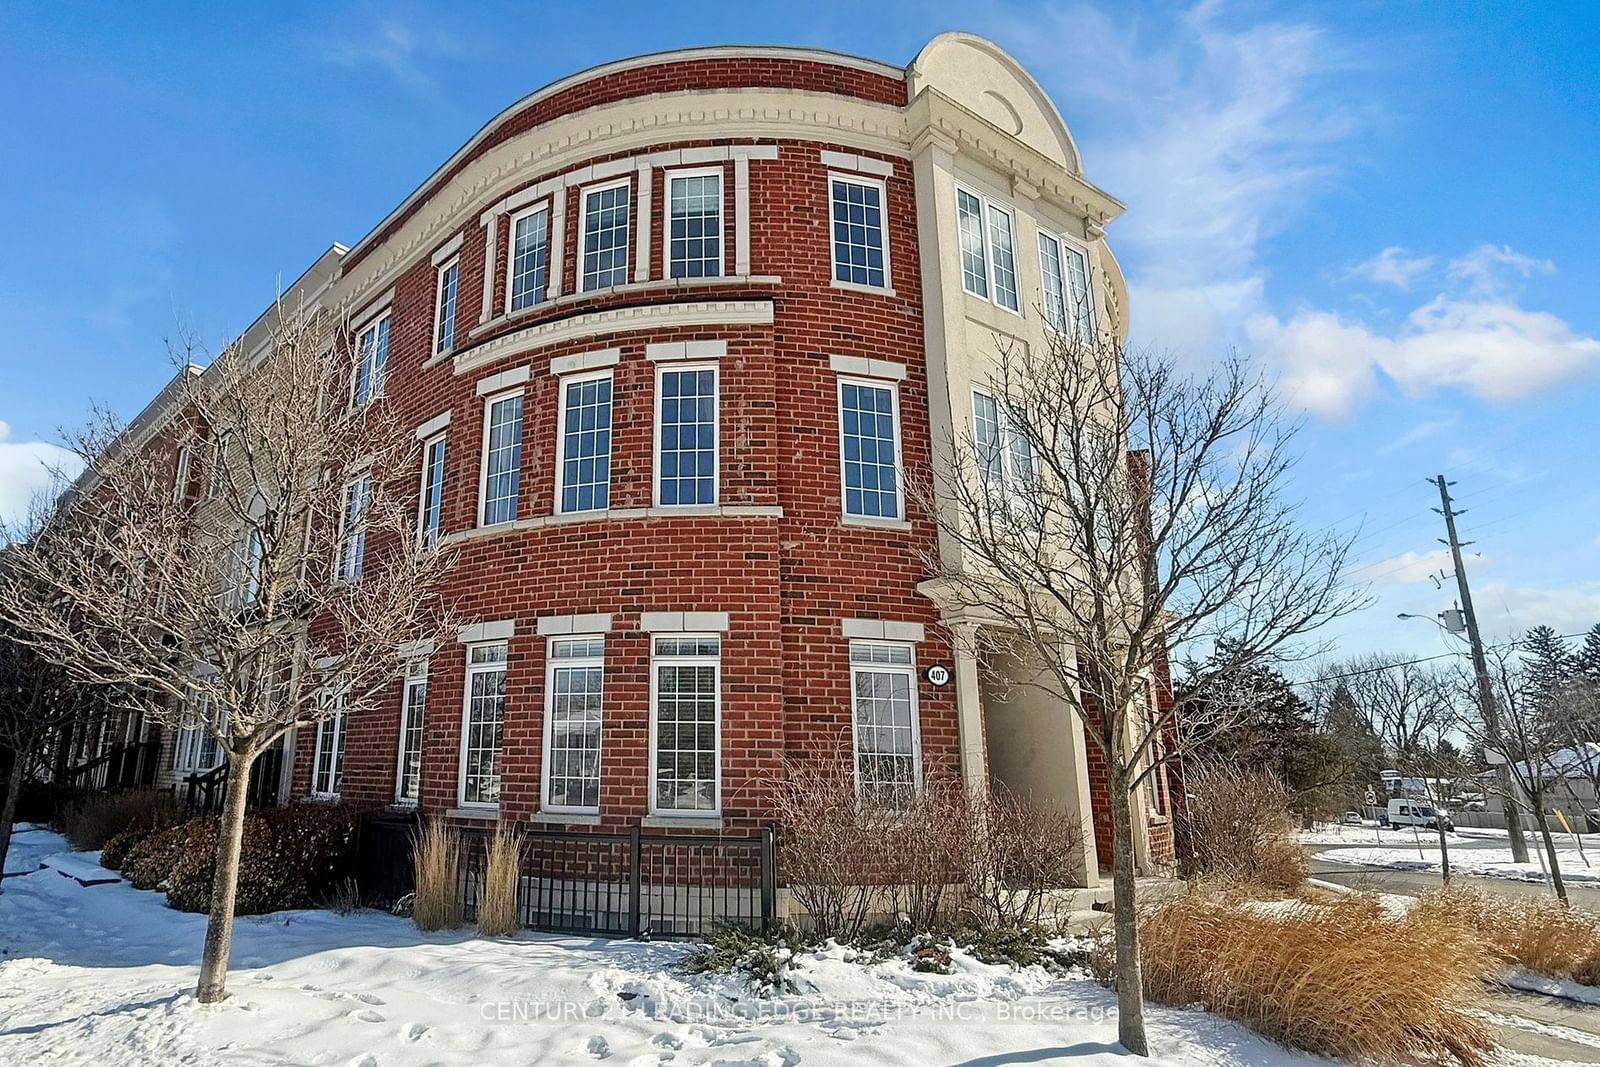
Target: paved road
x: 1528, y: 1023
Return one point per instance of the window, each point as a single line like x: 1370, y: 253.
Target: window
x: 685, y: 708
x: 584, y: 462
x: 605, y: 236
x: 694, y: 225
x: 180, y: 474
x: 530, y: 258
x: 888, y: 758
x: 248, y: 559
x: 372, y: 353
x: 413, y: 703
x: 572, y: 724
x: 483, y: 714
x: 988, y: 250
x: 686, y: 435
x: 430, y: 511
x: 1064, y: 274
x: 216, y: 468
x: 327, y: 765
x: 860, y: 252
x: 196, y: 748
x: 353, y: 527
x: 1003, y: 455
x: 870, y: 449
x: 444, y: 319
x: 502, y: 459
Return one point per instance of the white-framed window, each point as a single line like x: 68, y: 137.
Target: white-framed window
x: 430, y: 502
x: 180, y: 473
x: 195, y: 748
x: 483, y: 713
x: 583, y: 457
x: 216, y: 467
x: 686, y: 434
x: 693, y: 233
x: 574, y: 699
x: 248, y: 559
x: 1005, y: 457
x: 1064, y: 279
x: 502, y: 459
x: 887, y: 737
x: 353, y: 527
x: 606, y: 232
x: 686, y: 724
x: 444, y: 304
x: 413, y: 707
x: 527, y: 280
x: 987, y: 235
x: 327, y: 763
x: 869, y: 448
x: 372, y: 355
x: 857, y: 231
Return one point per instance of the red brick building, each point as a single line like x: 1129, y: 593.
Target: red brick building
x: 672, y: 333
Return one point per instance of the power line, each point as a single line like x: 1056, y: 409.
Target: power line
x: 1422, y: 659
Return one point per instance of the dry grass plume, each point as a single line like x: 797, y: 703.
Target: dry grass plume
x: 437, y: 857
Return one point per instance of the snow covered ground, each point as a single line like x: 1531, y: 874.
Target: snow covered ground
x: 1484, y: 862
x: 103, y: 975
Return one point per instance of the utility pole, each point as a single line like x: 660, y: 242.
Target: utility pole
x: 1480, y: 667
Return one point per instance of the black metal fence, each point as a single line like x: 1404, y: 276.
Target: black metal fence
x: 632, y: 884
x: 131, y: 765
x: 203, y: 792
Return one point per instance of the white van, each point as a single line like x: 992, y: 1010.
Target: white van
x: 1403, y: 812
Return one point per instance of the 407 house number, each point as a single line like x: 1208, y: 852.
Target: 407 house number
x: 938, y: 674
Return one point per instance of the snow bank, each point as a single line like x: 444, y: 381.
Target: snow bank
x: 1483, y: 862
x: 103, y: 975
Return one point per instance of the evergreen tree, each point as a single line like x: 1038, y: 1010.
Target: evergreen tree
x: 1550, y: 664
x: 1587, y: 660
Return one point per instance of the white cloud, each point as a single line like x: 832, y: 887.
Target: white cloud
x: 1407, y: 567
x: 1393, y: 266
x: 402, y: 51
x: 1506, y: 611
x: 1485, y: 269
x: 26, y: 468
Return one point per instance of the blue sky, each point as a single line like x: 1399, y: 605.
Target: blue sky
x: 1389, y: 204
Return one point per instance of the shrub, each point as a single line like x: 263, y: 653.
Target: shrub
x: 1020, y: 853
x: 291, y: 857
x: 436, y: 855
x: 828, y: 849
x: 1534, y: 932
x: 924, y: 850
x: 1237, y: 829
x: 91, y: 821
x: 764, y: 960
x: 498, y: 915
x: 1341, y: 980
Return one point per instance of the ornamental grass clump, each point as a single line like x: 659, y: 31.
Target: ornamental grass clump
x: 1345, y: 980
x: 498, y: 915
x: 436, y: 858
x: 1538, y: 933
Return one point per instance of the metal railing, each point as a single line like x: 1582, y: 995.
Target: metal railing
x: 129, y: 765
x: 204, y: 790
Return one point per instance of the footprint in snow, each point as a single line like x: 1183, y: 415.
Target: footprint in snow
x: 667, y: 1040
x: 597, y: 1046
x: 367, y: 1015
x: 367, y: 998
x: 366, y: 1059
x: 413, y: 1031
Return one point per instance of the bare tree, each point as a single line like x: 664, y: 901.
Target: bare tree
x: 1110, y: 510
x: 248, y: 567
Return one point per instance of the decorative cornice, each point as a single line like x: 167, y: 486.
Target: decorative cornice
x: 616, y: 320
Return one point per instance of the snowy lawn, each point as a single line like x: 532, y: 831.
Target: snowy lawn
x: 1484, y: 862
x: 103, y: 975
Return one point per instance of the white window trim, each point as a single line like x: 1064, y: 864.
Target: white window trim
x: 438, y: 319
x: 441, y: 438
x: 916, y: 710
x: 899, y: 466
x: 883, y: 210
x: 483, y: 453
x: 655, y: 684
x: 407, y: 680
x: 1064, y: 242
x: 561, y: 435
x: 375, y: 381
x: 551, y: 666
x: 511, y: 252
x: 503, y: 666
x: 662, y: 370
x: 666, y: 217
x: 1008, y: 472
x: 987, y: 204
x: 358, y: 561
x: 341, y: 722
x: 180, y: 473
x: 583, y: 233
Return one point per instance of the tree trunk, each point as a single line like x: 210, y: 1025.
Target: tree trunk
x: 8, y: 813
x: 1125, y: 923
x: 1550, y: 851
x: 1444, y: 846
x: 225, y: 883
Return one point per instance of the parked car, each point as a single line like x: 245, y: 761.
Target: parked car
x: 1350, y: 818
x: 1417, y: 813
